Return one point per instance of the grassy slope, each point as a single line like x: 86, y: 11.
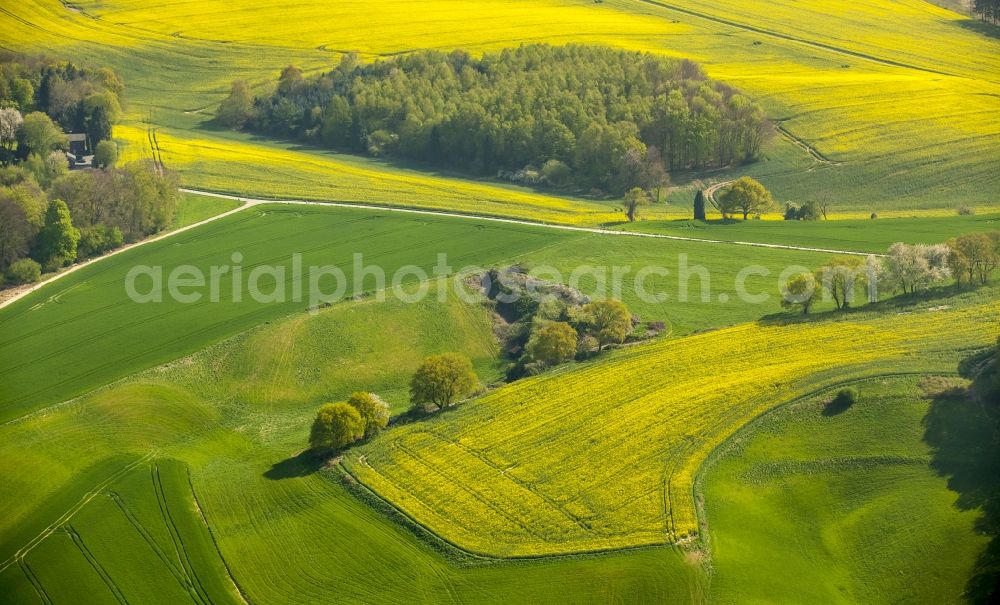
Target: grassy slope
x: 42, y: 362
x: 604, y: 454
x: 113, y: 336
x: 807, y: 507
x: 859, y: 90
x: 236, y: 414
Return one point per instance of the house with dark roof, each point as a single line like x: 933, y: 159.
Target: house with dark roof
x: 77, y: 143
x: 78, y: 155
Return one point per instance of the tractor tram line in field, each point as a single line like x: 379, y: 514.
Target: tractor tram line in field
x: 69, y: 514
x: 248, y: 202
x: 798, y: 40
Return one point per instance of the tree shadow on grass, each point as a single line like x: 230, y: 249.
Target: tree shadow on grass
x: 900, y: 303
x: 962, y: 426
x: 981, y: 27
x: 300, y: 465
x: 836, y: 406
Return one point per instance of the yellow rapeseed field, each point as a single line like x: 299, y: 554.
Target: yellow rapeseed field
x: 873, y: 117
x: 603, y: 455
x: 235, y: 166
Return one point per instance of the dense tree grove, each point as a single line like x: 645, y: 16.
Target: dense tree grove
x: 570, y: 115
x: 74, y: 98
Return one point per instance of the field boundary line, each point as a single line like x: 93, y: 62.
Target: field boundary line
x: 192, y: 584
x: 247, y: 202
x: 146, y: 536
x: 211, y: 535
x: 87, y: 263
x: 34, y: 581
x: 804, y: 41
x: 96, y: 565
x: 817, y: 156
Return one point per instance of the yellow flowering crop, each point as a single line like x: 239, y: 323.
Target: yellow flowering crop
x: 901, y: 121
x: 603, y: 455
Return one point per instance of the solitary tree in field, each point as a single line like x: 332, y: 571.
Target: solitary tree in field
x: 699, y: 205
x: 442, y: 379
x: 747, y: 196
x: 374, y: 412
x: 634, y: 198
x: 337, y: 425
x: 801, y: 291
x: 237, y: 108
x: 610, y: 320
x: 552, y: 342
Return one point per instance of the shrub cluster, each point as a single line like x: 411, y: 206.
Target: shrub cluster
x: 809, y: 211
x: 338, y: 425
x: 545, y: 324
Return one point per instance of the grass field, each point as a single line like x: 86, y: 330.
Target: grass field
x: 111, y: 336
x: 603, y: 455
x: 193, y: 208
x: 235, y: 417
x: 798, y: 498
x: 855, y: 109
x: 148, y: 512
x: 155, y: 452
x: 862, y: 235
